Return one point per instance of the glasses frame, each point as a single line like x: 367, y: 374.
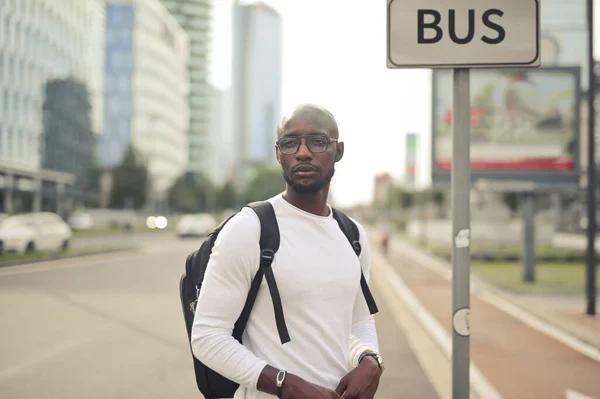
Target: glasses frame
x: 300, y: 138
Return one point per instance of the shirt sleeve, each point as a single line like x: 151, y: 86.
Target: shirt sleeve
x: 363, y: 336
x: 232, y: 266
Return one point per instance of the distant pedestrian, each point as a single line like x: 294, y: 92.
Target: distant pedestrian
x: 385, y: 232
x: 332, y: 350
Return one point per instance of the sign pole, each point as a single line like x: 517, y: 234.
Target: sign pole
x: 461, y: 233
x: 590, y: 286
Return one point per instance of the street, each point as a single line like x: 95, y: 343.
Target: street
x: 119, y: 240
x: 110, y: 326
x: 96, y: 327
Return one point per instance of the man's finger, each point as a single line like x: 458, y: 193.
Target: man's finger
x: 341, y: 386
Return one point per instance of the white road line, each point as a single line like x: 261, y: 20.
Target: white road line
x: 479, y: 384
x: 576, y: 395
x: 53, y: 265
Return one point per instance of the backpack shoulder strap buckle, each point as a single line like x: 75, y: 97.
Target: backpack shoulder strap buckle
x: 357, y: 247
x: 266, y: 257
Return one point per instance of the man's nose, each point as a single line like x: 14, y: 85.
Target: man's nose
x: 303, y: 152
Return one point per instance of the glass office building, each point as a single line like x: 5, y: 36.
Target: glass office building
x: 257, y: 75
x: 146, y: 92
x: 195, y: 17
x: 42, y: 41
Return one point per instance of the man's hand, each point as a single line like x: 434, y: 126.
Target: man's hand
x: 296, y: 388
x: 362, y: 382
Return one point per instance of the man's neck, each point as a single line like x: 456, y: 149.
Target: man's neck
x: 315, y: 203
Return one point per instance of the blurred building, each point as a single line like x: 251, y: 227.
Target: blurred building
x: 382, y: 186
x: 146, y: 93
x: 257, y: 58
x: 43, y: 41
x: 195, y: 18
x: 69, y: 142
x: 222, y: 155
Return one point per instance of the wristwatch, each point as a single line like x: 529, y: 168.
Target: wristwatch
x: 280, y: 380
x: 375, y: 356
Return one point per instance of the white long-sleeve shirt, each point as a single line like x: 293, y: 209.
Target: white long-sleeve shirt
x: 318, y: 277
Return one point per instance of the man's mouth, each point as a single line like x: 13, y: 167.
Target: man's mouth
x: 304, y: 169
x: 305, y: 173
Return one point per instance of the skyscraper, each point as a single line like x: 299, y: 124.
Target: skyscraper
x: 146, y: 92
x: 41, y: 42
x: 69, y: 143
x: 256, y: 83
x: 195, y: 17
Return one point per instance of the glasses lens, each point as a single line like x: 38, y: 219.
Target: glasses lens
x: 317, y: 143
x: 289, y: 145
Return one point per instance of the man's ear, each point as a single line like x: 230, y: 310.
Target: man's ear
x: 339, y: 151
x: 277, y: 155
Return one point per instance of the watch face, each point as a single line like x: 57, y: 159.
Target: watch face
x: 280, y: 378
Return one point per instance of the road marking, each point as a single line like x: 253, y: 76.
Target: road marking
x: 58, y: 264
x: 508, y: 307
x: 576, y: 395
x: 479, y: 384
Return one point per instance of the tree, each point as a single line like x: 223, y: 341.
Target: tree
x: 511, y: 200
x: 182, y: 195
x: 439, y: 199
x: 130, y: 182
x: 190, y: 193
x: 227, y: 197
x: 266, y: 182
x: 401, y: 198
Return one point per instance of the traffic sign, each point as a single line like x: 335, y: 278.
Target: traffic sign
x: 463, y: 33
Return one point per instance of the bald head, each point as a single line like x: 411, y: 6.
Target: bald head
x: 313, y: 114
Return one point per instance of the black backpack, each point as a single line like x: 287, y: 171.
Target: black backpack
x: 211, y: 384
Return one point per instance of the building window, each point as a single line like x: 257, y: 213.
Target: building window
x: 9, y: 143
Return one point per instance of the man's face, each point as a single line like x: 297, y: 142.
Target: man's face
x: 307, y: 171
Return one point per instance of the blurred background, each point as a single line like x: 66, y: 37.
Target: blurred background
x: 127, y: 125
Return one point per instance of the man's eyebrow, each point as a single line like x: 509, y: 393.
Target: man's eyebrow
x: 294, y: 134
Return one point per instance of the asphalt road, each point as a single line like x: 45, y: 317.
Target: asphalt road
x: 138, y: 239
x: 110, y: 326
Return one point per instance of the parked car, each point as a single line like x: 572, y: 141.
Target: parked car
x: 200, y: 224
x: 81, y: 221
x: 30, y: 232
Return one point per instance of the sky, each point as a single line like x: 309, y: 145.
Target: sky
x: 334, y: 55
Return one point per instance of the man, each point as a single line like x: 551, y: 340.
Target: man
x: 385, y: 236
x: 333, y: 348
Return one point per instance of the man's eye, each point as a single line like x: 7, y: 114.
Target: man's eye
x: 289, y: 143
x: 320, y: 141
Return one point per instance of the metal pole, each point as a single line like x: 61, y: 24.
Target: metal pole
x: 461, y: 233
x: 590, y: 286
x: 528, y: 238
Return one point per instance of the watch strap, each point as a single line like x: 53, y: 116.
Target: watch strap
x: 280, y: 380
x: 371, y: 354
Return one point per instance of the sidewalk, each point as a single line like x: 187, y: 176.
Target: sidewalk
x: 518, y: 360
x: 403, y: 376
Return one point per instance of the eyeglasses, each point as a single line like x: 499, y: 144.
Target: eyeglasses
x: 316, y: 143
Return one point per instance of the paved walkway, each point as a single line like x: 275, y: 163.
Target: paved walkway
x: 518, y: 360
x: 403, y: 377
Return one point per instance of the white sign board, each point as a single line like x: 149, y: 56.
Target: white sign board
x: 463, y: 33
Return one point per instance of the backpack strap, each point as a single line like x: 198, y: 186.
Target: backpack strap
x: 269, y: 244
x: 351, y: 232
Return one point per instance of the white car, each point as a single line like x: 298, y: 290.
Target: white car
x: 195, y: 225
x: 81, y: 221
x: 39, y: 231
